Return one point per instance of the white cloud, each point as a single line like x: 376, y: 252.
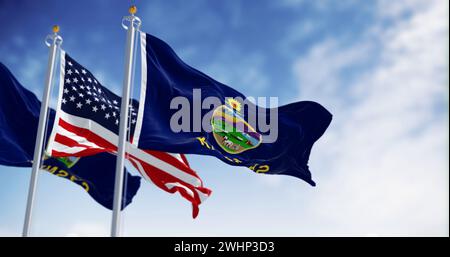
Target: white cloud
x: 395, y: 9
x: 32, y: 68
x: 8, y: 233
x: 320, y: 73
x: 320, y: 5
x: 87, y: 229
x: 271, y: 181
x: 106, y: 81
x: 297, y: 32
x: 386, y: 149
x: 248, y: 73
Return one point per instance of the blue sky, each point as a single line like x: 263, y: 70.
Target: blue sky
x: 379, y: 66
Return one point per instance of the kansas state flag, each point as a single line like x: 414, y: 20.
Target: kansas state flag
x: 19, y: 117
x: 216, y: 119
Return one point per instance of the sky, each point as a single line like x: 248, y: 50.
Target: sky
x: 380, y: 67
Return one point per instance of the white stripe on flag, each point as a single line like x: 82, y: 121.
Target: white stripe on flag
x: 80, y: 140
x: 166, y: 167
x: 67, y: 149
x: 140, y: 115
x: 201, y: 195
x: 62, y: 72
x: 141, y: 169
x: 90, y: 125
x: 178, y: 157
x: 132, y: 150
x: 171, y: 185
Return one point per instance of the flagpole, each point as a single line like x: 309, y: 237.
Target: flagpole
x: 134, y: 24
x: 53, y: 41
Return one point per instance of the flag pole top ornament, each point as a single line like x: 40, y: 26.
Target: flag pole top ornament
x: 55, y: 29
x: 132, y: 10
x: 54, y: 38
x: 132, y: 19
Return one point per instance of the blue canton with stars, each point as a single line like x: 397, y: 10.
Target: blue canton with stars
x: 84, y: 96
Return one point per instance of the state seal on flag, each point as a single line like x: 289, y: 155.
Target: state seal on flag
x: 231, y: 132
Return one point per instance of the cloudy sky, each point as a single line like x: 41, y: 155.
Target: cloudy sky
x: 381, y: 68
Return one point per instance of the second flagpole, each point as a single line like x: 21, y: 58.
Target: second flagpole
x: 134, y: 24
x: 53, y: 41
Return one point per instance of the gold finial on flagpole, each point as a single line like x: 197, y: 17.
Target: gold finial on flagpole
x: 55, y: 29
x: 132, y: 9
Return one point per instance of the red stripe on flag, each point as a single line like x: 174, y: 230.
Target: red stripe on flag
x: 82, y: 153
x: 172, y: 160
x: 185, y: 160
x: 64, y: 140
x: 161, y: 178
x: 88, y: 134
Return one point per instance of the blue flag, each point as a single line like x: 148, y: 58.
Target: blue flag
x: 19, y: 117
x: 225, y: 129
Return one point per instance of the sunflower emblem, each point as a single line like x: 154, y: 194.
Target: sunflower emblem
x: 235, y: 105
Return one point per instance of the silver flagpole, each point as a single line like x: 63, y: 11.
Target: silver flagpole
x: 134, y: 24
x: 53, y: 41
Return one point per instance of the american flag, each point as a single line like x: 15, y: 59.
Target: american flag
x: 87, y: 122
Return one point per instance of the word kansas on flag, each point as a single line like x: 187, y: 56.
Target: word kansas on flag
x: 228, y: 135
x: 87, y: 123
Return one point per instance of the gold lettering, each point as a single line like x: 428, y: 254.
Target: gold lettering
x: 52, y: 170
x: 253, y: 167
x: 228, y: 159
x: 85, y: 185
x: 62, y: 173
x: 203, y: 142
x: 262, y: 169
x: 236, y: 160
